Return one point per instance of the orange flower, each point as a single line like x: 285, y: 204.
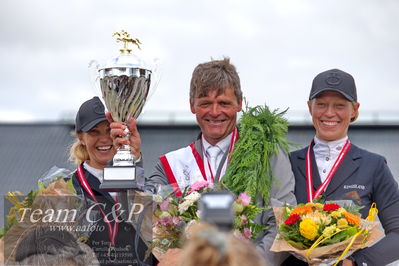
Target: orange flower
x: 351, y: 218
x: 302, y: 210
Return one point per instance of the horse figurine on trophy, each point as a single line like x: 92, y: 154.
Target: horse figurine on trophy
x: 124, y: 37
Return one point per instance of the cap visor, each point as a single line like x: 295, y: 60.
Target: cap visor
x: 93, y: 124
x: 349, y: 98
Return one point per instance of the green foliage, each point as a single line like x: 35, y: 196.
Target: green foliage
x: 262, y: 132
x: 355, y: 209
x: 246, y: 219
x: 70, y: 186
x: 341, y: 236
x: 21, y: 202
x: 292, y: 235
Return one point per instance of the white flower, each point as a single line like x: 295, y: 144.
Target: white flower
x: 184, y: 206
x: 188, y: 201
x: 165, y: 241
x: 193, y: 196
x: 317, y: 217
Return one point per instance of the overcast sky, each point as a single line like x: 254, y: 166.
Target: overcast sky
x: 277, y: 46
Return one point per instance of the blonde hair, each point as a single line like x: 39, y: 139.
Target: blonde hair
x: 353, y: 119
x: 209, y: 247
x: 78, y: 152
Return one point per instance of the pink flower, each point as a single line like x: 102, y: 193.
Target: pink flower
x: 238, y: 234
x: 243, y: 220
x: 247, y: 233
x: 244, y: 198
x: 165, y: 221
x: 198, y: 185
x: 165, y: 204
x: 176, y: 220
x: 246, y: 237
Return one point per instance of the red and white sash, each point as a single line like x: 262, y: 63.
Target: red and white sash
x: 112, y: 230
x: 309, y: 171
x: 186, y: 166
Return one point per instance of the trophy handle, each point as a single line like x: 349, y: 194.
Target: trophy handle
x: 156, y: 74
x: 94, y: 66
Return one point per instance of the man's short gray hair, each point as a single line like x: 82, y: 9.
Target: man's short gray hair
x: 215, y: 74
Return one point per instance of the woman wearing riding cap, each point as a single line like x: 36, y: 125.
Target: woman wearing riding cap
x: 113, y: 242
x: 335, y: 168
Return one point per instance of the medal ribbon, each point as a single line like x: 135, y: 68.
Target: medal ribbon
x: 309, y: 173
x: 112, y: 230
x: 201, y: 163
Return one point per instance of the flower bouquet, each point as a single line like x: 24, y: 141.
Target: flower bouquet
x: 323, y: 233
x: 35, y: 209
x: 173, y: 217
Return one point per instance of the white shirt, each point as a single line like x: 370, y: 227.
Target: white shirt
x: 326, y: 152
x: 223, y: 145
x: 94, y: 171
x: 99, y: 173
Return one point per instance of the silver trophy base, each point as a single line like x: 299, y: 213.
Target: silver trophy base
x: 118, y: 178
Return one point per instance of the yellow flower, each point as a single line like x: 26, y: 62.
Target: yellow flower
x: 336, y: 214
x: 329, y: 230
x: 318, y: 217
x: 319, y: 206
x: 342, y: 223
x: 315, y: 206
x: 237, y: 207
x: 308, y: 229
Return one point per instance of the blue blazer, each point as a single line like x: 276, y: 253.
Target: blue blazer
x: 363, y: 177
x: 99, y: 238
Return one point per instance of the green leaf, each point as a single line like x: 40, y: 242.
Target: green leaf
x: 297, y: 245
x: 70, y: 186
x: 355, y: 209
x: 262, y: 134
x: 41, y: 186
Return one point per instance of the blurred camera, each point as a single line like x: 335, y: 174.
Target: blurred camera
x: 216, y: 208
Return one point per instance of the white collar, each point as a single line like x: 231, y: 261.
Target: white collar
x: 329, y: 146
x: 223, y: 144
x: 94, y: 171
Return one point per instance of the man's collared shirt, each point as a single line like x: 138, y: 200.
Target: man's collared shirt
x: 223, y: 145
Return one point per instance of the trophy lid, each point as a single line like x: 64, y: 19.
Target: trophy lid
x: 126, y: 59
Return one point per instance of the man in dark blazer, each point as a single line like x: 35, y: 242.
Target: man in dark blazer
x: 336, y: 169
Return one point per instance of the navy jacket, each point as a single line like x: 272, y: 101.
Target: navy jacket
x: 99, y: 238
x: 363, y: 177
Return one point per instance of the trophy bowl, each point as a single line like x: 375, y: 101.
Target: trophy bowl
x: 125, y: 82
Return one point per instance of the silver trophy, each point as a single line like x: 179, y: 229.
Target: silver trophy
x: 125, y: 82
